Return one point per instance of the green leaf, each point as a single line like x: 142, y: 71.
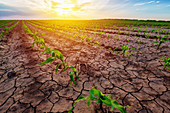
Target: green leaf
x: 41, y: 47
x: 81, y: 98
x: 71, y: 109
x: 72, y: 77
x: 88, y: 100
x: 133, y: 48
x: 49, y: 59
x: 75, y: 71
x: 56, y: 70
x: 66, y: 68
x: 119, y: 107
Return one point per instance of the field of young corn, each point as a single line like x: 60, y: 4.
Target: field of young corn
x: 84, y: 66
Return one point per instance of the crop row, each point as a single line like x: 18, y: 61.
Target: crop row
x: 114, y: 27
x: 7, y: 23
x: 4, y: 21
x: 143, y: 34
x: 91, y: 39
x: 97, y: 24
x: 7, y: 29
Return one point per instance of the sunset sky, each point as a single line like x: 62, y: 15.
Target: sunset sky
x: 84, y: 9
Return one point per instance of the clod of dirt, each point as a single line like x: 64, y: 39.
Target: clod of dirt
x: 11, y: 74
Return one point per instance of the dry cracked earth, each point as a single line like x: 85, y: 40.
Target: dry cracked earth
x: 27, y: 87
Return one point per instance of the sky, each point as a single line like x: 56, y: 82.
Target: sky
x: 85, y: 9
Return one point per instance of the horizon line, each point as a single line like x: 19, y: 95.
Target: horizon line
x: 151, y: 19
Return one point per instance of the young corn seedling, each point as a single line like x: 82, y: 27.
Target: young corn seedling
x: 82, y: 38
x: 2, y: 34
x: 72, y: 77
x: 125, y: 48
x: 147, y: 36
x: 153, y: 30
x: 39, y: 42
x: 55, y: 54
x: 167, y: 63
x: 88, y: 39
x: 108, y: 35
x: 97, y: 43
x: 101, y: 33
x: 116, y: 38
x: 114, y: 50
x: 99, y: 98
x: 161, y: 40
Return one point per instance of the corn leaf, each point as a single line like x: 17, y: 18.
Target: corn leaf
x: 49, y: 59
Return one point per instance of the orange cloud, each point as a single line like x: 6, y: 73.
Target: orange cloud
x: 54, y: 4
x: 79, y: 7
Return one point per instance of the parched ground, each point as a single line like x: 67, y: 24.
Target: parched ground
x: 25, y: 86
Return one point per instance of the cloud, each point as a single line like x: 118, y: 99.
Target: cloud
x: 9, y: 10
x: 139, y: 4
x: 157, y: 2
x: 10, y: 4
x: 80, y: 7
x: 54, y: 4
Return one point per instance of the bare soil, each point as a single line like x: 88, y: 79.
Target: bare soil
x: 26, y: 87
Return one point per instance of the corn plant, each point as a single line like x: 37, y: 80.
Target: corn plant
x: 147, y: 36
x: 39, y: 42
x: 99, y: 98
x: 108, y: 35
x: 97, y: 42
x: 116, y: 38
x: 74, y: 71
x: 161, y: 40
x: 167, y: 63
x: 114, y: 50
x: 101, y: 33
x: 2, y: 34
x: 55, y: 54
x: 153, y: 30
x: 82, y: 38
x: 125, y: 48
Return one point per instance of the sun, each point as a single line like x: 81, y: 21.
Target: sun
x: 63, y: 7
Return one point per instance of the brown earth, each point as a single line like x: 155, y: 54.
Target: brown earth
x: 27, y: 87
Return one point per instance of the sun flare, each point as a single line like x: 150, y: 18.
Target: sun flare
x: 63, y: 7
x: 73, y: 8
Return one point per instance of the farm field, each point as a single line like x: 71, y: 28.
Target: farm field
x: 46, y: 65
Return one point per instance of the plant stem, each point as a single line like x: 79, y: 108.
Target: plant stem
x: 101, y: 107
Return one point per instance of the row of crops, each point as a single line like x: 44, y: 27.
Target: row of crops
x: 6, y: 26
x: 159, y: 34
x: 90, y: 37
